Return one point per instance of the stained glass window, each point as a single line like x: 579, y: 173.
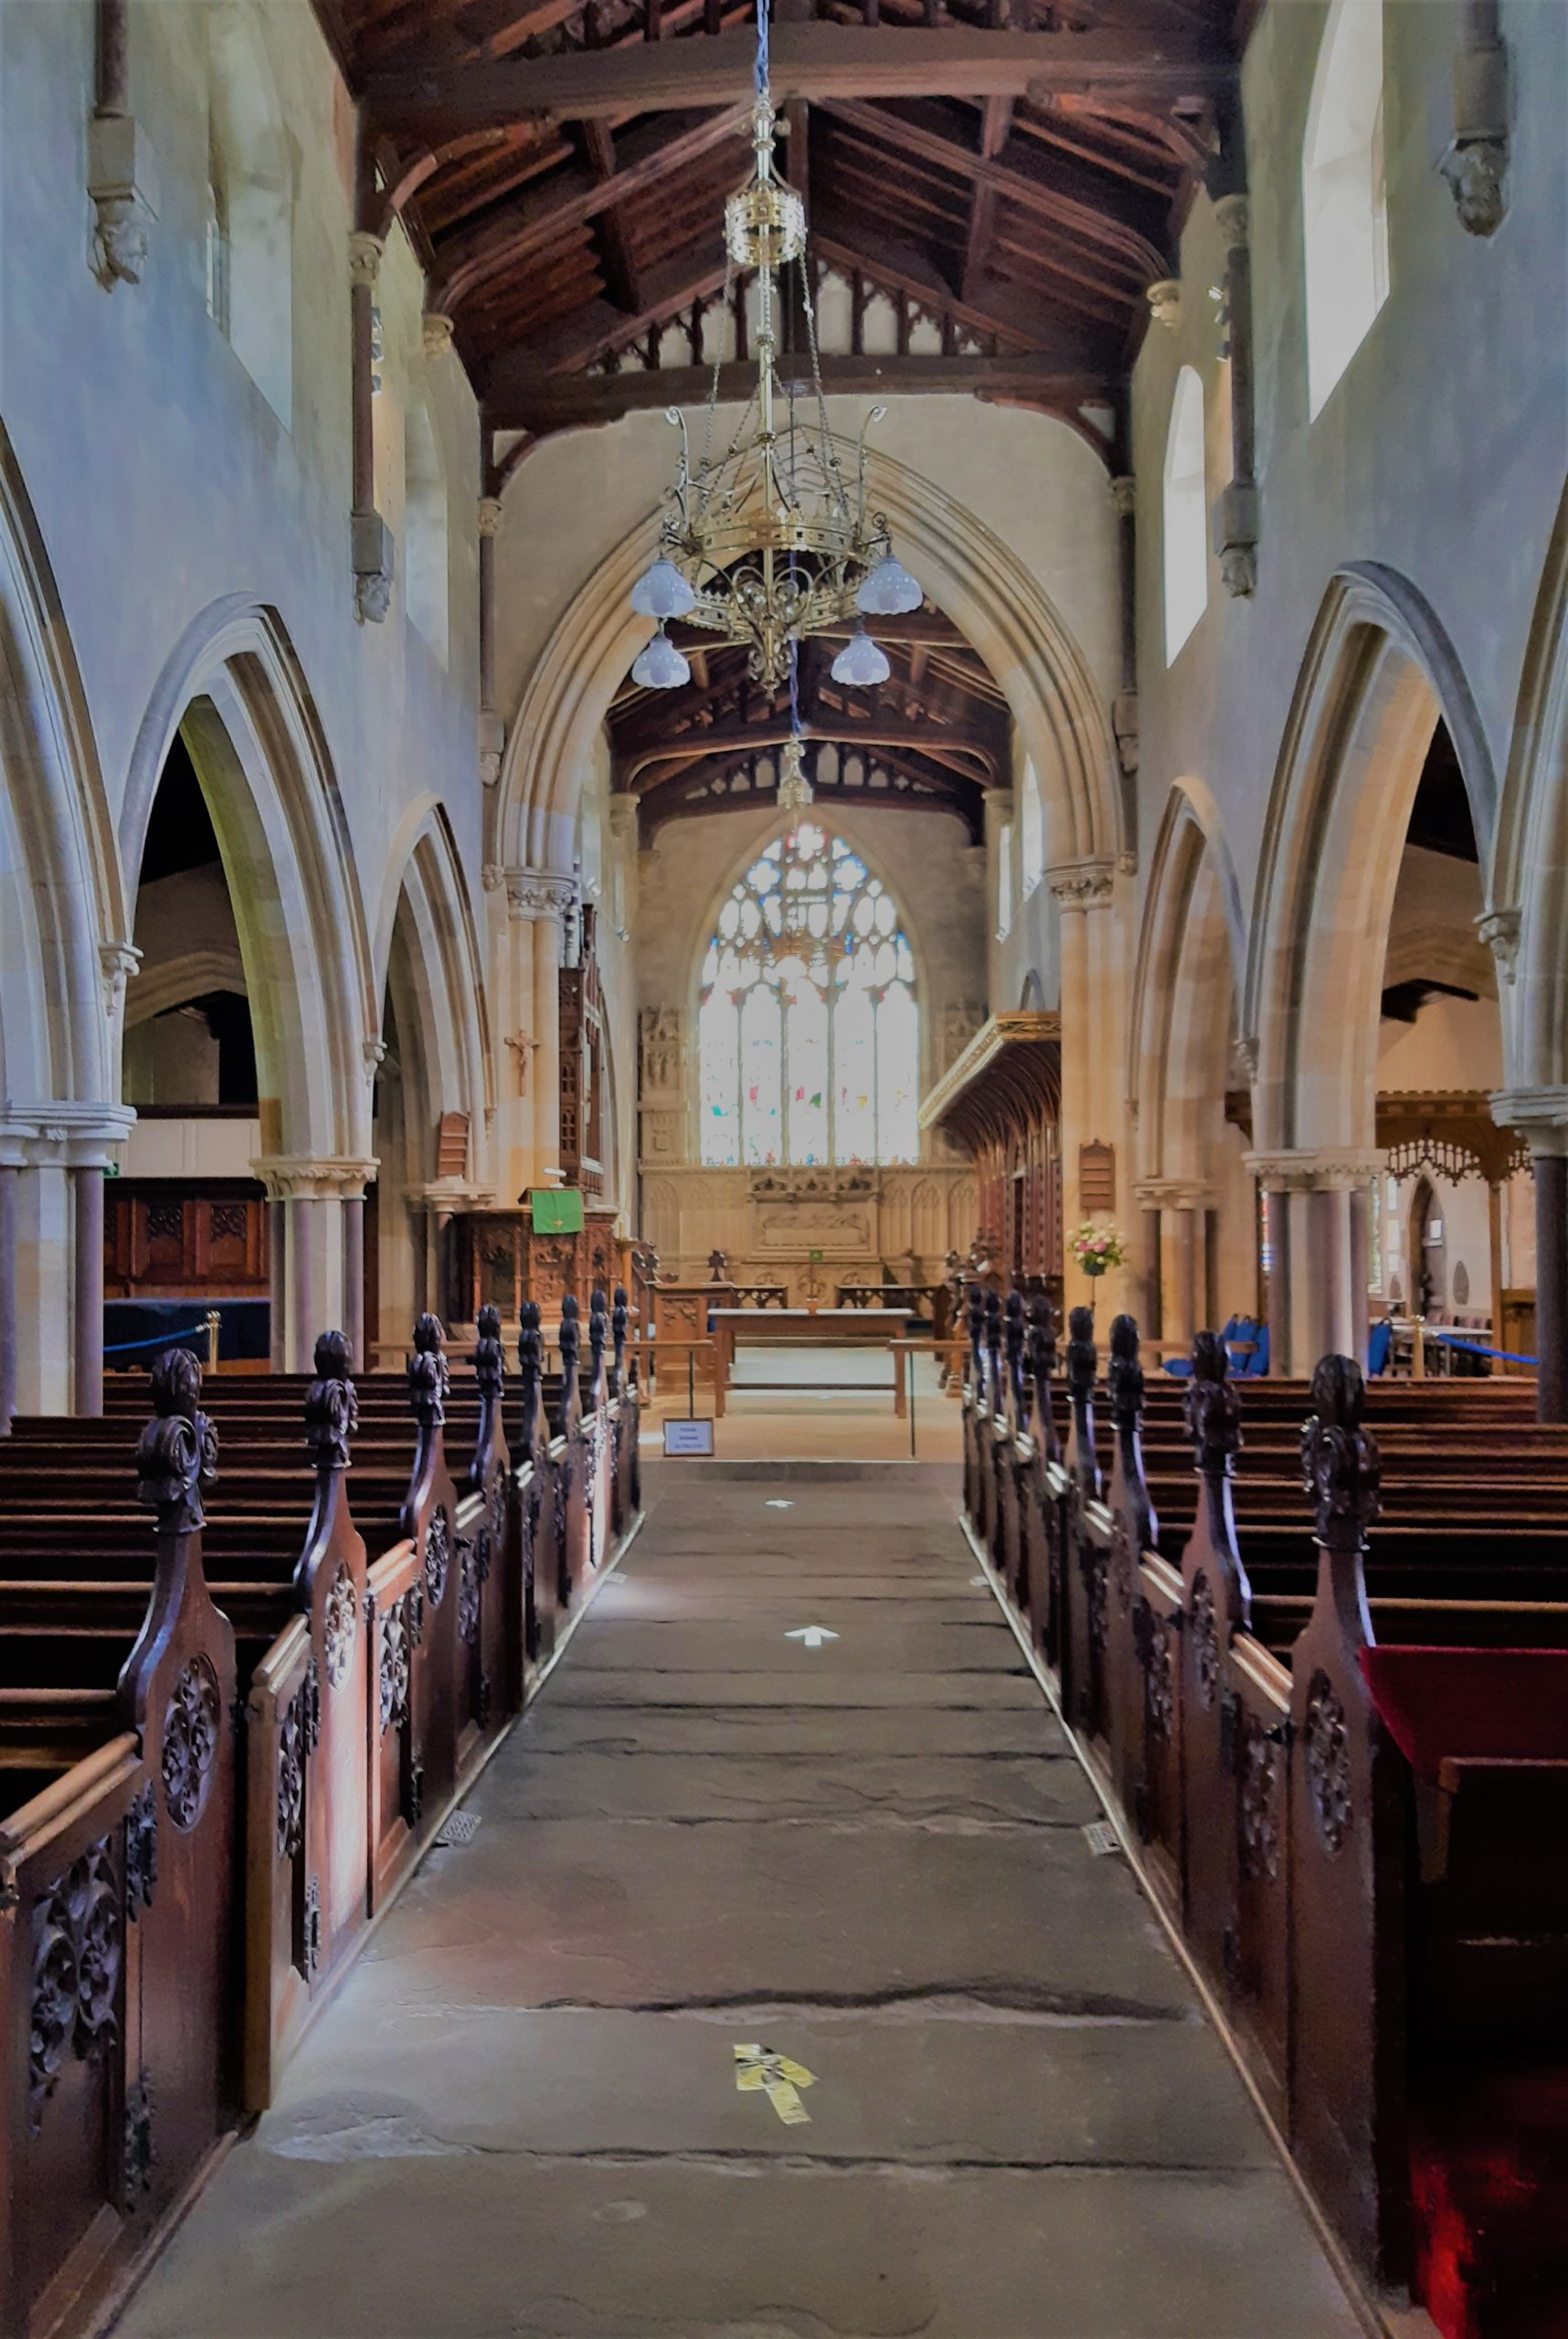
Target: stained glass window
x: 808, y: 1031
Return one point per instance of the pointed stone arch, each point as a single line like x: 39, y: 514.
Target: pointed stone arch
x: 65, y: 953
x: 1379, y: 674
x: 234, y: 689
x: 1190, y: 978
x: 1525, y: 921
x: 62, y: 897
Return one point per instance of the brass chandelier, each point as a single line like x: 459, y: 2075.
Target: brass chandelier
x: 765, y: 544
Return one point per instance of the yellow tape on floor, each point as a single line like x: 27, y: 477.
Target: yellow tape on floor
x: 759, y: 2068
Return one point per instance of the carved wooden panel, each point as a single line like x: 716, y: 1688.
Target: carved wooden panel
x: 1097, y: 1177
x: 165, y: 1241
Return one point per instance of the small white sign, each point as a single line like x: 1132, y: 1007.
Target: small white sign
x: 689, y: 1437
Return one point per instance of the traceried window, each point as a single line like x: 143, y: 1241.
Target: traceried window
x: 809, y: 1031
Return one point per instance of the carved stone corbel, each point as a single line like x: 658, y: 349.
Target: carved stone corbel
x: 1475, y: 163
x: 1164, y: 299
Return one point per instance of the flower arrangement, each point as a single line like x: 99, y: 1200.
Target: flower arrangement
x: 1095, y: 1248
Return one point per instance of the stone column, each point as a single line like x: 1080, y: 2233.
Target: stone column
x: 1180, y: 1211
x: 52, y: 1160
x: 8, y: 1176
x: 87, y: 1214
x: 353, y: 1277
x: 491, y: 729
x: 624, y: 860
x: 1541, y: 1116
x: 370, y: 539
x: 317, y: 1206
x: 528, y: 992
x: 1093, y: 1052
x: 998, y: 815
x: 1235, y: 511
x: 1326, y: 1251
x: 1124, y: 709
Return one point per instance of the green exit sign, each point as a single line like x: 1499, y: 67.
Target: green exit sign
x: 814, y: 1258
x: 557, y: 1210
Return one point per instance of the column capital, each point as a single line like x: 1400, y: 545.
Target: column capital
x: 1124, y: 495
x: 58, y: 1132
x: 1083, y: 884
x: 1317, y: 1170
x: 533, y: 893
x: 1175, y: 1194
x: 1540, y: 1114
x: 623, y: 818
x: 489, y: 515
x: 297, y: 1178
x: 435, y: 334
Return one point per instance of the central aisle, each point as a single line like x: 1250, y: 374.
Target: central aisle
x: 521, y: 2118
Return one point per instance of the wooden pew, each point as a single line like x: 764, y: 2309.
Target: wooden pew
x: 118, y: 1901
x: 1233, y: 1727
x: 376, y: 1675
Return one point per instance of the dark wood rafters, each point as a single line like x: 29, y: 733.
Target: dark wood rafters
x: 1012, y: 171
x: 936, y: 733
x: 991, y: 187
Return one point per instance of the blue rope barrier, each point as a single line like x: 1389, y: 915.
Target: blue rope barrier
x: 159, y: 1341
x: 1474, y: 1348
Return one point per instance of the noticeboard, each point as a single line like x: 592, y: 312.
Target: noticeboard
x: 689, y: 1436
x: 557, y: 1210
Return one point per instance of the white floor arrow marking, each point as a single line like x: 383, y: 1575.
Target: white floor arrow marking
x: 813, y: 1634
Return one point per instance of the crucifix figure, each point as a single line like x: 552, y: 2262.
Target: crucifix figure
x: 523, y: 1047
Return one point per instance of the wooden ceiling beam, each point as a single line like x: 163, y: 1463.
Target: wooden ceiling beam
x: 575, y: 200
x: 616, y: 260
x: 517, y: 397
x: 667, y: 289
x: 996, y: 128
x: 974, y: 750
x: 818, y: 61
x: 852, y: 243
x: 1100, y: 233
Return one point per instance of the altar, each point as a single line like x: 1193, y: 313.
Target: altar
x: 735, y: 1327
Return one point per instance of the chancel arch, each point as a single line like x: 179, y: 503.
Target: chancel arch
x: 999, y: 604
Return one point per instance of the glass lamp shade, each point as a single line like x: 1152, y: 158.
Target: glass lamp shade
x: 661, y: 666
x: 889, y: 590
x: 662, y: 592
x: 861, y: 661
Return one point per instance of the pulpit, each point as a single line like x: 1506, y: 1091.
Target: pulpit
x: 496, y: 1259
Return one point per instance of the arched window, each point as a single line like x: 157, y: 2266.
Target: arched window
x: 808, y: 1032
x: 1344, y: 205
x: 425, y: 530
x: 249, y: 206
x: 1185, y: 515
